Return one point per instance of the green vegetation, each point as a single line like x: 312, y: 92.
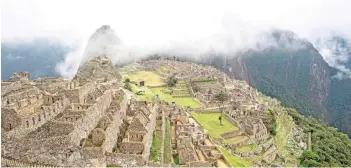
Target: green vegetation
x: 221, y: 97
x: 210, y: 122
x: 330, y: 148
x: 167, y: 150
x: 172, y: 81
x: 176, y: 160
x: 150, y: 78
x: 235, y: 160
x: 289, y: 77
x: 183, y: 101
x: 236, y: 139
x: 155, y: 151
x: 247, y: 148
x: 112, y: 165
x: 270, y: 123
x: 283, y: 129
x: 147, y: 96
x: 127, y: 86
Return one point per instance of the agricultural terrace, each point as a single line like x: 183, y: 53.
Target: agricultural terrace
x: 235, y: 160
x: 211, y: 123
x: 247, y: 148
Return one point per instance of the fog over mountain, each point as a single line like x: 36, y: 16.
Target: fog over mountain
x: 180, y: 27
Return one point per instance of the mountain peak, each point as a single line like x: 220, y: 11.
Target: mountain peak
x: 103, y: 42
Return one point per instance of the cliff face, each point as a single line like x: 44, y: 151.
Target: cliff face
x: 300, y: 78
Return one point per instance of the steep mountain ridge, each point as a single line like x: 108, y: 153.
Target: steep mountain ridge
x: 300, y: 78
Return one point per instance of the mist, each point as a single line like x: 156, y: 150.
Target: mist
x: 182, y: 28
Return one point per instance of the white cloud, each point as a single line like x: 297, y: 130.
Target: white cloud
x: 186, y: 26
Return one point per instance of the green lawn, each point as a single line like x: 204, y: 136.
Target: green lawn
x: 167, y: 150
x: 236, y: 139
x: 150, y: 78
x: 235, y: 160
x: 247, y: 148
x: 155, y: 151
x: 148, y: 93
x: 184, y: 102
x: 211, y: 123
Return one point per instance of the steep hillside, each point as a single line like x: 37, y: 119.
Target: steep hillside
x: 299, y: 77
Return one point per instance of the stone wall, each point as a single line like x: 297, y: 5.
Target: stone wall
x: 231, y: 120
x: 78, y: 94
x: 7, y: 87
x: 16, y: 97
x: 231, y: 134
x: 90, y: 121
x: 14, y: 163
x: 93, y: 152
x: 111, y: 132
x: 9, y: 119
x: 150, y: 127
x: 125, y: 160
x: 270, y: 155
x: 248, y: 154
x: 199, y: 164
x: 20, y: 76
x: 133, y: 147
x: 50, y: 150
x: 34, y: 121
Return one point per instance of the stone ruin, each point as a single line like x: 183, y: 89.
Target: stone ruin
x: 95, y: 122
x: 20, y: 76
x: 65, y: 123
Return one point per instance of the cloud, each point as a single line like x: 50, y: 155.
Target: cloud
x: 188, y: 28
x: 335, y: 50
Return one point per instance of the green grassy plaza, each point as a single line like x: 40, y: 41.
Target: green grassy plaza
x: 211, y: 123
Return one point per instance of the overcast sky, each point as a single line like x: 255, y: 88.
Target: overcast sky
x: 156, y: 23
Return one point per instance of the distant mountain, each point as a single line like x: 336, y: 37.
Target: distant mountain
x: 103, y: 42
x: 299, y: 78
x: 38, y: 57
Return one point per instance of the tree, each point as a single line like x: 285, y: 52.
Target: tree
x: 127, y: 86
x: 127, y: 80
x: 172, y: 81
x: 221, y: 97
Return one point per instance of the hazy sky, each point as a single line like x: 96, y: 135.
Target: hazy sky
x: 148, y: 24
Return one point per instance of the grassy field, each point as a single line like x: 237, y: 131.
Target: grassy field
x: 167, y: 154
x: 211, y: 123
x: 235, y: 160
x: 150, y: 78
x: 155, y: 151
x: 148, y: 93
x: 236, y: 139
x: 247, y: 148
x: 185, y: 102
